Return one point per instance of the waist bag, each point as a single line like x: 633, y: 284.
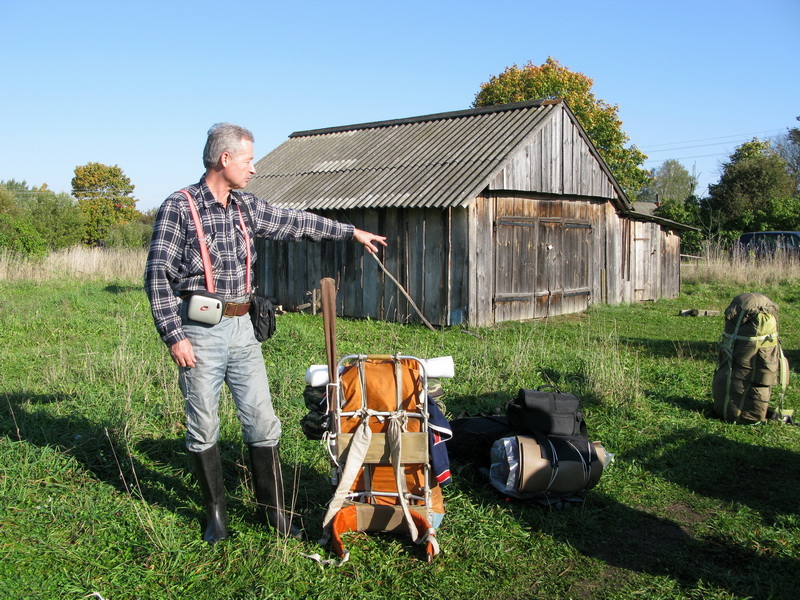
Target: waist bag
x: 547, y: 412
x: 262, y: 315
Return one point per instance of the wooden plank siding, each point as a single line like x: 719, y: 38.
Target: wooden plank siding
x: 501, y: 258
x: 555, y: 159
x: 420, y: 255
x: 543, y: 252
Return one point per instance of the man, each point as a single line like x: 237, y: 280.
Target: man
x: 208, y: 355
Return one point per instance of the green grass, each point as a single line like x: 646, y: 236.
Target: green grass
x: 97, y: 496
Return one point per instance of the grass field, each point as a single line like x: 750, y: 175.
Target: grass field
x: 97, y: 499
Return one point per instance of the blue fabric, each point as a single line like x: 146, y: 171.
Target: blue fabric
x: 438, y: 433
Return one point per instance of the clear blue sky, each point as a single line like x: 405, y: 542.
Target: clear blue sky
x: 137, y: 84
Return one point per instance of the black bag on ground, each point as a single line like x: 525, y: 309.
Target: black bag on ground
x: 262, y: 314
x: 547, y: 412
x: 473, y: 437
x: 316, y: 422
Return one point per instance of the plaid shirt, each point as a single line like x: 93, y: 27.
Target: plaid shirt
x: 174, y: 264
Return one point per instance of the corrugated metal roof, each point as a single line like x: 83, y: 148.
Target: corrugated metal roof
x: 437, y: 160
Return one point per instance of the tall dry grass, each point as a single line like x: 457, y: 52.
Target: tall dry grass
x: 717, y: 265
x: 78, y: 262
x: 83, y: 263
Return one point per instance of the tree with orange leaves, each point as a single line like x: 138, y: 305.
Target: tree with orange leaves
x: 601, y: 120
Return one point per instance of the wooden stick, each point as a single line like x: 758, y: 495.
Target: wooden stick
x: 328, y: 287
x: 328, y: 297
x: 405, y: 293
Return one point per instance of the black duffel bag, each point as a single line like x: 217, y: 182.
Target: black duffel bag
x: 473, y: 437
x: 547, y: 412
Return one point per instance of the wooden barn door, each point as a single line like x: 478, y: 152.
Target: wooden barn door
x: 576, y: 244
x: 541, y: 267
x: 549, y: 273
x: 515, y: 258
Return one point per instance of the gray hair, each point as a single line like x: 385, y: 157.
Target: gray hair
x: 224, y: 137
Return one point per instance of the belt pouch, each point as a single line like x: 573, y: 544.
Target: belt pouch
x: 205, y: 307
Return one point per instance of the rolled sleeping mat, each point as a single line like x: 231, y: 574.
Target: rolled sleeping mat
x: 440, y: 368
x: 317, y: 375
x: 544, y: 466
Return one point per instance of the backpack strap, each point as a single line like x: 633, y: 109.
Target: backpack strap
x: 726, y: 345
x: 347, y: 519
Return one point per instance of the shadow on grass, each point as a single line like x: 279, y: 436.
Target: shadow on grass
x: 123, y: 289
x: 155, y: 470
x: 678, y: 545
x: 704, y: 406
x: 711, y: 465
x: 629, y: 539
x: 792, y: 355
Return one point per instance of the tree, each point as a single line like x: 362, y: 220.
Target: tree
x: 788, y: 147
x: 57, y: 218
x: 18, y: 235
x: 9, y: 196
x: 600, y: 120
x: 753, y: 184
x: 670, y: 183
x: 8, y: 202
x: 105, y: 196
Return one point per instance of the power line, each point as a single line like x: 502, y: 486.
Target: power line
x: 686, y: 147
x: 649, y: 160
x: 739, y: 138
x: 728, y: 137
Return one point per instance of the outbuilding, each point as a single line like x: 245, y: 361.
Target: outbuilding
x: 491, y: 214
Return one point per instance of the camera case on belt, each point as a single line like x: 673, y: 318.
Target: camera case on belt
x: 205, y: 307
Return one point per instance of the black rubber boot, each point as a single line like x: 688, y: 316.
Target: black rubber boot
x: 268, y: 485
x: 208, y: 467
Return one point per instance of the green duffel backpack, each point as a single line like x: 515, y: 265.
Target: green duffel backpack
x: 750, y: 361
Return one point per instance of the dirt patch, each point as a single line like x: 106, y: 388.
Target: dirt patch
x: 685, y: 514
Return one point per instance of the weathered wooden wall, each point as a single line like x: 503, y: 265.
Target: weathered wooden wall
x: 543, y: 252
x: 555, y: 159
x: 426, y: 253
x: 502, y: 258
x: 550, y: 256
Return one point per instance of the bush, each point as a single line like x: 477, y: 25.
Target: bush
x: 18, y: 235
x: 129, y: 235
x: 57, y: 218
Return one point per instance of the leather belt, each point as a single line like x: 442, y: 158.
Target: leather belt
x: 233, y: 309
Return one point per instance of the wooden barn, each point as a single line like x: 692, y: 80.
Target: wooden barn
x: 491, y: 214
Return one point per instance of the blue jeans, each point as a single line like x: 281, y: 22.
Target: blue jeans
x: 227, y: 352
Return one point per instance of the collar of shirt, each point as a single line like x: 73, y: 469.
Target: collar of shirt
x: 203, y: 194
